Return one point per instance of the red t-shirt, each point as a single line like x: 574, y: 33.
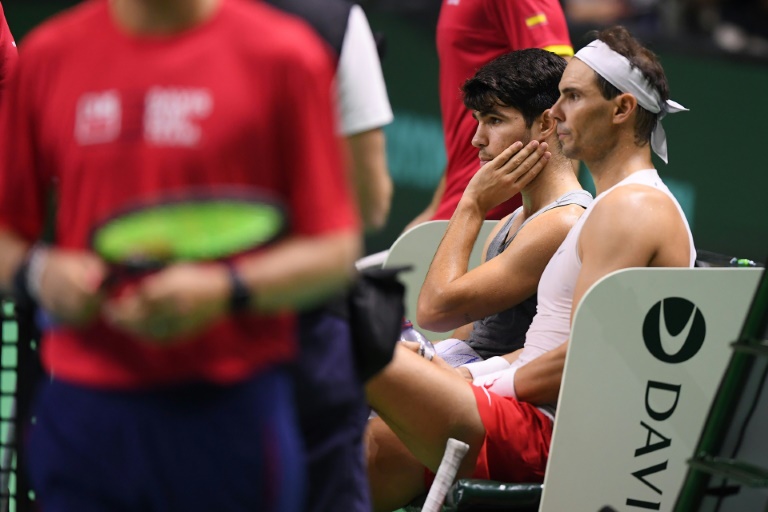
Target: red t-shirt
x: 108, y: 118
x: 471, y: 33
x: 8, y: 54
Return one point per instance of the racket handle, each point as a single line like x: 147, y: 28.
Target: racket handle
x: 455, y: 451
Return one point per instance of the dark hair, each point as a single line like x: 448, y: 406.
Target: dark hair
x: 524, y: 79
x: 622, y: 42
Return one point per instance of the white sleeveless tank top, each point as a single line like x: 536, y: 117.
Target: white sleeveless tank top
x: 551, y: 325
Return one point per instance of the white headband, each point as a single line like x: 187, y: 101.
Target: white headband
x: 618, y: 71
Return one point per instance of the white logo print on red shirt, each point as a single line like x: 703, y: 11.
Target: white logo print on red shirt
x: 170, y: 116
x: 98, y: 118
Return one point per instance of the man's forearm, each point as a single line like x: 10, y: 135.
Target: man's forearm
x: 371, y: 174
x: 300, y: 272
x: 538, y: 382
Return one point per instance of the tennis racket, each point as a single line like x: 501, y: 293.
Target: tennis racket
x: 187, y: 226
x: 455, y: 451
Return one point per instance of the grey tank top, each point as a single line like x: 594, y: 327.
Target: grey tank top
x: 504, y: 332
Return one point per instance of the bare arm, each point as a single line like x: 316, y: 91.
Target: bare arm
x: 538, y: 382
x: 363, y: 110
x: 373, y: 183
x: 451, y: 295
x: 301, y: 272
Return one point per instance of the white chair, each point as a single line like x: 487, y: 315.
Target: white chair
x: 647, y: 352
x: 416, y: 248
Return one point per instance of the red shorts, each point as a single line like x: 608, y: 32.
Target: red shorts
x: 516, y: 444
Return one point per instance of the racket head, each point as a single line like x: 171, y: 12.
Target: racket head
x: 192, y: 225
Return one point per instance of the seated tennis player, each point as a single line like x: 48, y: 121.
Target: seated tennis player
x: 613, y: 96
x: 510, y: 98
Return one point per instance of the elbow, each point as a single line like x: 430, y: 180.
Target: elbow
x: 436, y: 323
x: 424, y: 316
x: 429, y: 315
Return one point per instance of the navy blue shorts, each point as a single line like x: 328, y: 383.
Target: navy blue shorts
x: 333, y: 413
x: 194, y: 448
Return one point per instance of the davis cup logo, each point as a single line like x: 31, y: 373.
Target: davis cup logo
x: 674, y: 330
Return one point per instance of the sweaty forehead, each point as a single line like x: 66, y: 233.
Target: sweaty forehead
x: 577, y: 75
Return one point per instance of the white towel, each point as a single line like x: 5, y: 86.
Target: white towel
x: 456, y: 352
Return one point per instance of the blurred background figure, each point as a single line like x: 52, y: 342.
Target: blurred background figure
x: 361, y: 94
x: 742, y: 27
x: 332, y: 408
x: 640, y: 14
x: 171, y: 391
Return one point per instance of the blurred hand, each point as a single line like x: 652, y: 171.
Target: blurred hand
x: 507, y: 174
x: 70, y: 285
x: 171, y: 305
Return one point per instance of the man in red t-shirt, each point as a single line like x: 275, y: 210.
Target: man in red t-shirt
x: 117, y: 102
x: 471, y: 33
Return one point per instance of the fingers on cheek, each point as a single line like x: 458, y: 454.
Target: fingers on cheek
x: 512, y: 165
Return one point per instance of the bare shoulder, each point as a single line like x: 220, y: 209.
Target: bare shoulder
x: 556, y: 222
x: 635, y: 204
x: 635, y: 223
x: 545, y: 233
x: 635, y: 198
x: 563, y: 217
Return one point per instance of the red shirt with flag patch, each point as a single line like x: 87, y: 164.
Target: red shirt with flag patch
x: 471, y: 33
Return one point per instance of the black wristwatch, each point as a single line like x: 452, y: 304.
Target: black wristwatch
x: 240, y: 295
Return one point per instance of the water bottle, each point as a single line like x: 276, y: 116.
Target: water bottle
x: 409, y: 333
x: 741, y: 262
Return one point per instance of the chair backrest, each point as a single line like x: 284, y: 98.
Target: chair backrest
x: 416, y: 248
x: 647, y: 352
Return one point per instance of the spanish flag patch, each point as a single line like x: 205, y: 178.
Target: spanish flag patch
x: 537, y: 19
